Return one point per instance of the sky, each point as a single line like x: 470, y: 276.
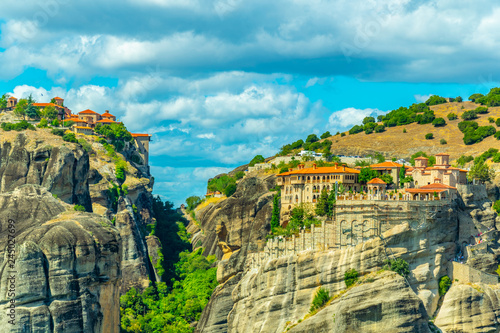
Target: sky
x: 218, y: 82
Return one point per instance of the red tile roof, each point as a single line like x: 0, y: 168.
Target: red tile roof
x: 12, y: 97
x: 88, y: 112
x: 442, y: 154
x: 106, y: 121
x: 420, y: 190
x: 421, y: 158
x: 335, y: 169
x: 377, y: 181
x: 106, y: 114
x: 437, y: 186
x: 389, y: 164
x: 135, y: 135
x: 58, y: 98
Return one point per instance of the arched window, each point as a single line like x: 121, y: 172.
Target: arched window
x: 296, y: 198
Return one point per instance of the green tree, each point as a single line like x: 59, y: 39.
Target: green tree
x: 257, y: 159
x: 435, y: 100
x: 387, y: 178
x: 459, y: 99
x: 438, y: 122
x: 399, y: 266
x: 481, y: 172
x: 429, y: 136
x: 367, y: 120
x: 402, y: 175
x: 3, y: 101
x: 229, y: 190
x: 31, y: 110
x: 473, y: 97
x: 193, y: 202
x: 275, y: 217
x: 312, y: 138
x: 444, y: 285
x: 367, y: 174
x: 325, y: 135
x: 322, y: 204
x: 331, y: 204
x: 469, y: 115
x: 452, y: 116
x: 20, y: 109
x: 49, y: 113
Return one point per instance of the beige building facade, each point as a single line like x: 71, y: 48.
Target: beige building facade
x: 442, y: 172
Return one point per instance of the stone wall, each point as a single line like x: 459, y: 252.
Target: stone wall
x: 356, y: 222
x: 466, y: 274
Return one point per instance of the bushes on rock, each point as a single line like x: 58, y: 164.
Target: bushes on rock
x: 444, y: 285
x: 399, y: 266
x: 79, y: 208
x: 70, y: 137
x: 496, y: 206
x: 257, y: 159
x: 20, y: 126
x: 321, y: 298
x: 350, y: 277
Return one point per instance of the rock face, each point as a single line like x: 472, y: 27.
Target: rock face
x: 470, y: 308
x: 60, y: 167
x: 67, y: 266
x: 385, y: 305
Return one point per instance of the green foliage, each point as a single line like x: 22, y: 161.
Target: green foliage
x: 3, y: 101
x: 387, y: 178
x: 43, y: 123
x: 257, y: 159
x: 491, y: 120
x: 229, y: 190
x: 429, y: 136
x: 350, y: 277
x: 31, y: 110
x: 443, y: 142
x: 491, y: 99
x: 492, y: 152
x: 68, y: 123
x: 367, y: 174
x: 117, y: 133
x: 20, y: 126
x: 325, y: 135
x: 136, y: 159
x: 342, y: 134
x: 49, y: 113
x: 120, y: 170
x: 239, y: 175
x: 496, y: 206
x: 444, y: 285
x: 404, y: 130
x: 163, y: 309
x: 221, y: 183
x: 462, y: 160
x: 452, y: 116
x: 435, y: 100
x: 275, y: 217
x: 312, y: 138
x: 299, y: 218
x: 322, y: 203
x: 114, y: 193
x: 481, y: 110
x: 57, y: 131
x: 85, y: 145
x: 79, y: 208
x: 55, y: 123
x: 399, y: 266
x: 459, y: 99
x: 70, y: 137
x: 482, y: 172
x: 472, y: 135
x: 469, y: 115
x: 438, y: 122
x: 379, y: 129
x: 367, y: 120
x: 321, y: 297
x: 431, y: 161
x: 473, y: 97
x: 402, y: 175
x: 426, y: 118
x: 497, y: 122
x: 356, y: 129
x: 20, y: 109
x: 193, y: 202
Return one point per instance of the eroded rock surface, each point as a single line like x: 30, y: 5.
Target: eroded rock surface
x: 67, y: 265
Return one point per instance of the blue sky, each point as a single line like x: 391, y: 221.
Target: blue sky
x: 217, y: 82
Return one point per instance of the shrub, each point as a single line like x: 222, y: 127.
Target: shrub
x: 369, y: 131
x: 469, y: 115
x: 435, y: 100
x: 464, y: 126
x: 496, y: 206
x: 85, y: 145
x: 481, y: 110
x: 136, y: 159
x: 438, y: 122
x: 20, y: 126
x: 57, y: 131
x: 379, y: 128
x: 325, y: 135
x: 399, y: 266
x: 229, y: 190
x: 342, y: 134
x: 497, y: 135
x: 444, y: 285
x: 43, y: 123
x: 429, y: 136
x: 497, y: 122
x: 452, y: 116
x: 443, y: 141
x: 356, y: 129
x: 79, y: 208
x: 312, y: 138
x: 458, y: 99
x: 55, y: 123
x: 257, y: 159
x: 462, y: 160
x: 70, y: 137
x: 477, y: 135
x: 321, y: 298
x: 120, y: 169
x: 68, y: 123
x: 426, y: 118
x: 350, y: 277
x: 473, y: 97
x: 491, y: 120
x: 404, y: 130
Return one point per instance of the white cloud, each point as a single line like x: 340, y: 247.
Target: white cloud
x: 422, y: 98
x: 206, y: 136
x: 351, y: 116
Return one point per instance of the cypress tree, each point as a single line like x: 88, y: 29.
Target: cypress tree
x: 331, y: 204
x: 275, y: 217
x: 322, y: 205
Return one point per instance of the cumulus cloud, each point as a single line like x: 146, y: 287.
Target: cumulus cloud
x: 422, y: 98
x: 351, y: 116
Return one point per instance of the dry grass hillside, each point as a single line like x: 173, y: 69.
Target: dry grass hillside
x: 394, y: 143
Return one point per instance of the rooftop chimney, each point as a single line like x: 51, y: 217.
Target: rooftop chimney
x: 343, y: 167
x: 314, y: 166
x: 336, y: 165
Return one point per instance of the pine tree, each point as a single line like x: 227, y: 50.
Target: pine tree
x: 31, y: 110
x: 402, y: 175
x: 275, y: 217
x: 331, y: 204
x: 322, y: 205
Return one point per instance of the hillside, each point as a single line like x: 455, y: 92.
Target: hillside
x: 394, y: 143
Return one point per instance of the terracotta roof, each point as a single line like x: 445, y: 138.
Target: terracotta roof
x: 107, y: 114
x: 87, y: 112
x: 106, y: 121
x: 58, y: 98
x: 377, y: 181
x: 83, y: 127
x: 337, y: 169
x: 442, y: 154
x: 420, y: 190
x: 437, y: 186
x: 12, y: 97
x: 389, y: 164
x: 47, y: 104
x: 421, y: 158
x: 135, y: 135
